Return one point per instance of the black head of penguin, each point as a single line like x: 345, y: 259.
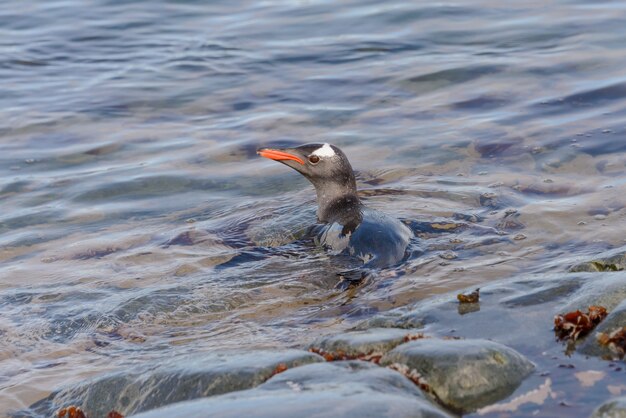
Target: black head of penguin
x: 327, y: 168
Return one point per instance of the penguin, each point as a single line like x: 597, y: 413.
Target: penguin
x: 346, y: 226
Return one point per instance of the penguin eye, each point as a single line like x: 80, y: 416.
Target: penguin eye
x: 314, y: 159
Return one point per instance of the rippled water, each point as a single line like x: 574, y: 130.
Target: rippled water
x: 137, y: 221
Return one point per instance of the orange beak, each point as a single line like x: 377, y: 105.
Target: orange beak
x: 276, y: 155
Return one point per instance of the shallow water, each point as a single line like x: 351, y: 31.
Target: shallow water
x: 137, y: 221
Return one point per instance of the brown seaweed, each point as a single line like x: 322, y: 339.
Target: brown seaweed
x: 576, y: 324
x: 615, y: 341
x: 473, y: 297
x: 71, y: 411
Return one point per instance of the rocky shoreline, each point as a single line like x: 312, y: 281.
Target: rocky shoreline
x: 435, y: 358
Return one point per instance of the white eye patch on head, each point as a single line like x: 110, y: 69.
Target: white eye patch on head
x: 324, y: 151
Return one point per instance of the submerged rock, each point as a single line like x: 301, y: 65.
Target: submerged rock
x: 614, y: 408
x: 338, y: 389
x: 607, y: 290
x: 615, y: 320
x: 356, y: 344
x: 613, y: 261
x: 283, y: 227
x: 517, y: 313
x: 464, y: 374
x: 520, y: 314
x: 177, y: 380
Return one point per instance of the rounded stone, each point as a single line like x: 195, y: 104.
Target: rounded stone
x: 615, y: 320
x: 464, y: 374
x: 338, y: 389
x: 613, y: 408
x: 177, y: 379
x: 355, y: 343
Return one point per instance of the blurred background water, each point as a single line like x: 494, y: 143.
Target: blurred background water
x: 129, y: 179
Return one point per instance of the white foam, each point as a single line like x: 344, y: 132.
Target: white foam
x: 324, y: 151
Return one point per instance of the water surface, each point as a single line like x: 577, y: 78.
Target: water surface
x: 137, y: 221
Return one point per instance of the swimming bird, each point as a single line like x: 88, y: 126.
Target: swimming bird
x: 347, y: 226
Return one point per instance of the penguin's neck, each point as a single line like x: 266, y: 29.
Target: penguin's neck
x: 338, y: 202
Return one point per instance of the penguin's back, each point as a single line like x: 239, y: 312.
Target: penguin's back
x: 379, y: 240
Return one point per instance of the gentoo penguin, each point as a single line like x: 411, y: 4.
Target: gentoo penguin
x: 346, y: 225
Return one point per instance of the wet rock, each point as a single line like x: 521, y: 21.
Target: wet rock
x: 389, y: 319
x: 339, y: 389
x: 463, y: 374
x: 325, y: 376
x: 469, y: 217
x: 510, y: 220
x: 489, y: 199
x: 544, y: 291
x: 520, y: 314
x: 616, y: 319
x: 614, y: 408
x: 613, y: 261
x: 177, y: 380
x: 356, y: 344
x: 492, y: 148
x: 527, y: 306
x: 607, y: 290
